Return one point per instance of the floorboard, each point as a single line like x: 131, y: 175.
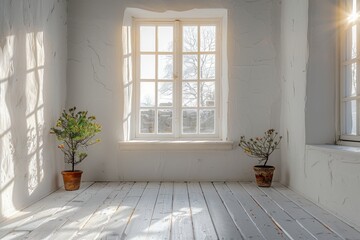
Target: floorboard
x: 243, y: 222
x: 181, y: 227
x: 176, y: 211
x: 202, y: 223
x: 345, y: 231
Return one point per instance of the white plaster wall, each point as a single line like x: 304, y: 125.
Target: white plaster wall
x: 321, y: 74
x: 95, y: 83
x: 333, y: 179
x: 294, y: 59
x: 33, y: 52
x: 326, y: 175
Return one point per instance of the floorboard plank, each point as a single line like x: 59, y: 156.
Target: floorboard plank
x: 224, y: 224
x: 241, y: 219
x: 168, y: 210
x: 75, y: 220
x: 262, y: 221
x: 100, y: 218
x: 329, y: 220
x: 33, y: 216
x: 160, y: 225
x: 138, y: 226
x: 181, y: 215
x: 118, y: 221
x: 202, y: 223
x: 55, y: 221
x: 301, y: 216
x: 287, y: 223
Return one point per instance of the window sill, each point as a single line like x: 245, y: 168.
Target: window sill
x: 175, y: 145
x: 337, y: 149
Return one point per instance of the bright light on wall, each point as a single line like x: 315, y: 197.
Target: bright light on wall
x: 7, y: 149
x: 35, y: 60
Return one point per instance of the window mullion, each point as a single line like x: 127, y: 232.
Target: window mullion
x: 178, y: 77
x: 198, y: 82
x: 357, y: 79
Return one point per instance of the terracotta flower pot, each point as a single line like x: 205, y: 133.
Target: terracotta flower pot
x: 72, y: 180
x: 264, y: 175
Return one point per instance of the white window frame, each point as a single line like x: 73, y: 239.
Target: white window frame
x: 177, y: 101
x: 346, y: 24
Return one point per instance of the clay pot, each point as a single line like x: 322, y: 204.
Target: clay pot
x: 72, y: 180
x: 264, y: 175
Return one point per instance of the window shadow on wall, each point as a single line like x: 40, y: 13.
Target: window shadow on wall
x: 22, y: 121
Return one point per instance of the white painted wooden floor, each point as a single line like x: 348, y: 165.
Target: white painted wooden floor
x: 167, y: 210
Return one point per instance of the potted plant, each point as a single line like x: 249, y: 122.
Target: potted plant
x: 75, y: 131
x: 261, y: 148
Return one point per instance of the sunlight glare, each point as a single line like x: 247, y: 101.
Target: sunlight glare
x: 353, y: 17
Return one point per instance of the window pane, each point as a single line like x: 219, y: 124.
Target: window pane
x: 350, y: 80
x: 207, y: 93
x: 190, y: 38
x: 189, y: 94
x: 147, y: 38
x: 207, y: 123
x: 147, y: 67
x: 165, y: 39
x: 350, y: 117
x: 190, y: 67
x: 207, y: 66
x: 147, y: 94
x: 351, y: 50
x: 165, y: 121
x: 189, y: 121
x: 165, y: 67
x: 207, y: 38
x: 165, y: 94
x: 147, y: 121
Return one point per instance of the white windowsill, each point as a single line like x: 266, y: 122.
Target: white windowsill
x: 338, y: 149
x: 137, y: 145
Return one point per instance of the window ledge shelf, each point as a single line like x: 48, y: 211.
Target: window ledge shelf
x: 338, y: 149
x: 137, y: 145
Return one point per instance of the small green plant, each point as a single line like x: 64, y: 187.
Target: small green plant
x: 76, y: 131
x: 261, y: 147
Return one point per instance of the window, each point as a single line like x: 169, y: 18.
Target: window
x: 350, y: 60
x: 177, y: 79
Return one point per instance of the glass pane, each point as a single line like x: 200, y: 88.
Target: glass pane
x: 165, y: 67
x: 207, y: 38
x: 165, y: 121
x: 165, y: 39
x: 350, y: 80
x: 190, y: 67
x: 190, y: 38
x: 189, y: 121
x: 147, y: 121
x: 147, y: 67
x: 351, y: 50
x: 350, y: 117
x: 207, y: 66
x: 207, y: 93
x: 147, y: 38
x: 189, y: 94
x: 207, y: 121
x: 165, y: 94
x: 147, y: 94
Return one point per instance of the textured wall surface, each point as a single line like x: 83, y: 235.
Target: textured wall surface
x: 95, y: 83
x: 321, y: 74
x: 32, y: 93
x: 333, y: 174
x: 294, y: 59
x: 328, y: 175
